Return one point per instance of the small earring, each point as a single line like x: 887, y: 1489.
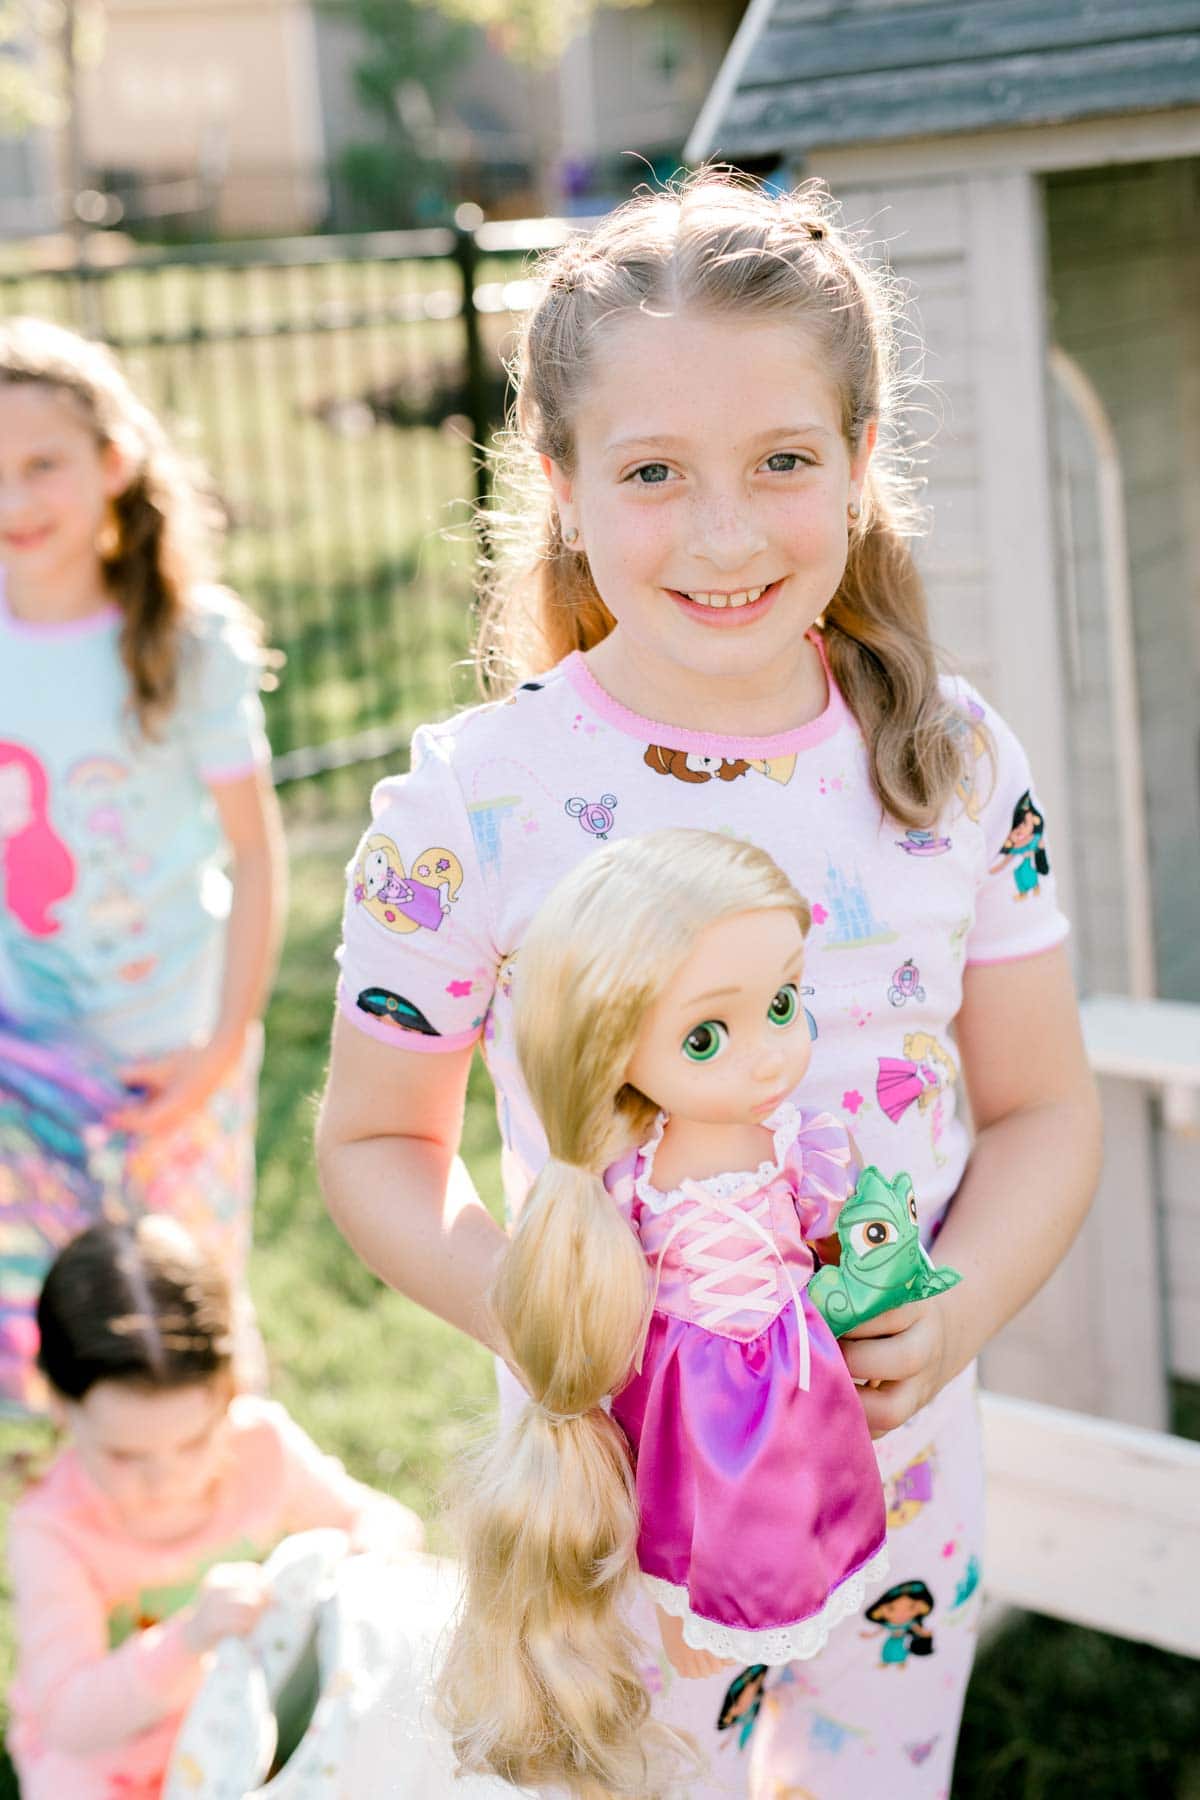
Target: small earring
x: 571, y: 535
x: 854, y: 512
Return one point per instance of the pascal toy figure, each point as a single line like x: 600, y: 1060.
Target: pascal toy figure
x: 883, y: 1261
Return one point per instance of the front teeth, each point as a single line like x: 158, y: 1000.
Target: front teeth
x: 742, y: 598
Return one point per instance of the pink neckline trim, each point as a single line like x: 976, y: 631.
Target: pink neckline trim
x: 678, y: 737
x: 64, y: 628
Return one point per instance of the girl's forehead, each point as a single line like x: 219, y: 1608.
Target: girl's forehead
x: 659, y: 374
x: 125, y: 1415
x: 42, y: 409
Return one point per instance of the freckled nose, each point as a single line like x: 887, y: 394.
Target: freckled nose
x: 724, y: 532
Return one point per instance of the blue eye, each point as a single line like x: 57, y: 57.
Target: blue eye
x: 786, y: 462
x: 655, y: 474
x: 705, y: 1041
x: 785, y: 1005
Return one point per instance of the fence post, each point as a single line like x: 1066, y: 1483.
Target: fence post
x: 466, y: 254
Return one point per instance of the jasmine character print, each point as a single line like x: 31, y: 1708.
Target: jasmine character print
x: 900, y: 1614
x: 743, y: 1703
x: 418, y: 900
x: 1024, y: 849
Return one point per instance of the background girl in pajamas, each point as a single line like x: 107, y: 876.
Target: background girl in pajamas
x: 133, y: 767
x: 713, y: 620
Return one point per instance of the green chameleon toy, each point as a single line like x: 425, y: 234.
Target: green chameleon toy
x: 884, y: 1263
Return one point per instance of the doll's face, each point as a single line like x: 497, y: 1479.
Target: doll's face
x: 728, y: 1040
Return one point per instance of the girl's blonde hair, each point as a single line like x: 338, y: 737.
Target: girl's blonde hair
x: 718, y: 244
x: 541, y: 1685
x: 163, y: 531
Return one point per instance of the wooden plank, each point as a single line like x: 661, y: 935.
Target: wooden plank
x: 848, y: 42
x: 1080, y: 146
x: 1143, y: 1040
x: 1093, y: 1522
x: 765, y: 116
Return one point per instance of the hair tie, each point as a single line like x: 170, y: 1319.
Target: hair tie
x: 560, y: 1418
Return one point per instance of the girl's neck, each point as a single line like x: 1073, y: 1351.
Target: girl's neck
x: 71, y: 595
x: 787, y: 695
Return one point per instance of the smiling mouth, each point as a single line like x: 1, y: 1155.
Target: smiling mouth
x: 718, y: 601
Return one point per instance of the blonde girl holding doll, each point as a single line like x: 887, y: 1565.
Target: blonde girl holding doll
x: 134, y: 773
x: 711, y: 618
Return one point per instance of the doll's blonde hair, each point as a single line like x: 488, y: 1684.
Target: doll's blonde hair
x: 721, y: 245
x: 542, y: 1684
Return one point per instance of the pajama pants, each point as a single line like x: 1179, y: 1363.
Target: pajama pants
x: 875, y: 1716
x: 52, y: 1186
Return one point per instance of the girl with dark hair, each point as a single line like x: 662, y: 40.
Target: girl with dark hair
x: 139, y: 1549
x: 133, y: 767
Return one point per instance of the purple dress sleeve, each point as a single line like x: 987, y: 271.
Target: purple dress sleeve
x: 824, y: 1168
x: 619, y: 1179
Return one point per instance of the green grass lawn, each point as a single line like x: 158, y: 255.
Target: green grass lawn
x: 395, y: 1393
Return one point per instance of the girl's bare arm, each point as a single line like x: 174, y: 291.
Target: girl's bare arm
x: 387, y: 1141
x: 1025, y: 1192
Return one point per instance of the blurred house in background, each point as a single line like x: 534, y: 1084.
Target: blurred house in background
x: 1035, y: 173
x: 247, y: 118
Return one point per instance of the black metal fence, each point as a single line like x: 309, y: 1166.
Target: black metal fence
x: 337, y: 389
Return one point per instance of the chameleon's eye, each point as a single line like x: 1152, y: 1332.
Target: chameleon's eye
x: 912, y: 1208
x: 785, y: 1005
x: 872, y: 1234
x: 705, y: 1041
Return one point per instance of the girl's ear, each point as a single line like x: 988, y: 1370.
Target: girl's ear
x: 119, y: 461
x: 561, y: 485
x: 862, y: 455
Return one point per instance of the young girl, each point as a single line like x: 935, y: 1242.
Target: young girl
x: 717, y: 623
x: 138, y: 1551
x: 660, y: 1032
x: 133, y: 764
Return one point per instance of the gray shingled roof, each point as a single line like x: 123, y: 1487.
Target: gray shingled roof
x: 807, y: 72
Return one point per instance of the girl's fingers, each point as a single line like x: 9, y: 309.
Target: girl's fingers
x: 888, y: 1324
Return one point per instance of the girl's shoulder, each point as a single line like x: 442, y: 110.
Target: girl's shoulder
x: 218, y: 625
x: 528, y: 713
x: 55, y: 1501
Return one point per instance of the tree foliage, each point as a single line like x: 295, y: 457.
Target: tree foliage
x: 33, y: 65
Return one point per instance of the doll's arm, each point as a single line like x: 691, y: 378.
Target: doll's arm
x: 1026, y: 1189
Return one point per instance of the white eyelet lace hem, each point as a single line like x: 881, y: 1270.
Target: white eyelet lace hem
x: 780, y: 1643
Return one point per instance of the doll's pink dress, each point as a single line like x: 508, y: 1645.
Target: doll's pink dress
x: 762, y: 1509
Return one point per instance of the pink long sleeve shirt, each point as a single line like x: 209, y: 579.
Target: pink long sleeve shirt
x: 104, y: 1671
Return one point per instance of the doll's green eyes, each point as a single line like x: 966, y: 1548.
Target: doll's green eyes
x: 785, y: 1005
x: 705, y: 1041
x: 708, y: 1039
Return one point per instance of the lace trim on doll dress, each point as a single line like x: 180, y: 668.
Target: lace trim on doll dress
x: 778, y: 1643
x: 783, y: 1124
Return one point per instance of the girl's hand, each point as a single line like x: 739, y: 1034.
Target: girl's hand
x: 232, y: 1599
x: 175, y: 1087
x: 900, y: 1361
x: 693, y: 1664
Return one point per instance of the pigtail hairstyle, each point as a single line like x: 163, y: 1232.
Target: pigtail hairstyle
x: 541, y: 1684
x: 720, y: 245
x: 163, y: 529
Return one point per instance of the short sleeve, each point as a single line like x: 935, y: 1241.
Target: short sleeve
x: 220, y: 705
x: 1016, y: 902
x: 418, y: 954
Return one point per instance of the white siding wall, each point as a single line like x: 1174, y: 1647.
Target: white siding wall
x: 971, y: 246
